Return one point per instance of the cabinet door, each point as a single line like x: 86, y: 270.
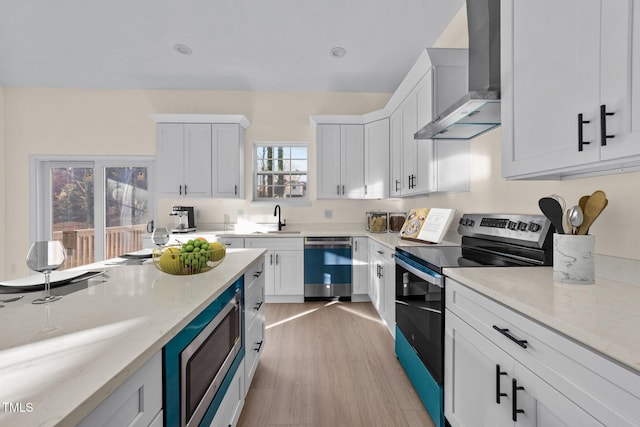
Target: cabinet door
x: 395, y: 135
x: 620, y: 90
x: 551, y: 73
x: 352, y: 161
x: 471, y: 383
x: 376, y: 159
x: 328, y: 152
x: 197, y: 160
x: 409, y: 144
x: 360, y: 268
x: 228, y: 161
x: 270, y: 273
x: 388, y: 284
x: 289, y: 273
x: 543, y: 405
x: 170, y: 159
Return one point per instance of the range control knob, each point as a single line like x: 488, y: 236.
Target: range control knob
x: 470, y: 222
x: 535, y: 227
x: 512, y: 225
x: 522, y: 226
x: 462, y: 221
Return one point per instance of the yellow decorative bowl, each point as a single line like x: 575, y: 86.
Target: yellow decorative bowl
x: 184, y: 259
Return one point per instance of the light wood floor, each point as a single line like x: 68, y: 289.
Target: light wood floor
x: 330, y: 364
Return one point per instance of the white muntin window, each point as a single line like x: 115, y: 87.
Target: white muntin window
x: 281, y: 171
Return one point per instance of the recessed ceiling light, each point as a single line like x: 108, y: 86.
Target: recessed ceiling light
x: 183, y: 49
x: 338, y: 52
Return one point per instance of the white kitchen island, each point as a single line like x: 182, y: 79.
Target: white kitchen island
x: 59, y: 361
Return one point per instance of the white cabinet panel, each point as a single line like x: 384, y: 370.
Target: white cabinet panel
x: 376, y: 159
x: 395, y: 135
x: 360, y: 267
x: 352, y: 161
x: 228, y: 164
x: 329, y: 154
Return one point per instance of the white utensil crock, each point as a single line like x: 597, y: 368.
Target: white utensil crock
x: 573, y: 258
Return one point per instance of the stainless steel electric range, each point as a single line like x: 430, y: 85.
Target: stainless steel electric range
x: 503, y: 240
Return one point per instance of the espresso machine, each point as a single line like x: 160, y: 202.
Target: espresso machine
x: 183, y: 219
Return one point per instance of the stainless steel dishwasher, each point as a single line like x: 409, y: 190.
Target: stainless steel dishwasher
x: 327, y: 267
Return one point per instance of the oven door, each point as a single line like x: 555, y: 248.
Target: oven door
x: 420, y: 312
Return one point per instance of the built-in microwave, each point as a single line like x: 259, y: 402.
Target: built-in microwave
x: 200, y: 361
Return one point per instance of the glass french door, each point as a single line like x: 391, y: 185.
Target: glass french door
x: 97, y: 209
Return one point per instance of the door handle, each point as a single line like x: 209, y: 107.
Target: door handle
x: 257, y: 274
x: 365, y: 189
x: 343, y: 190
x: 276, y: 259
x: 180, y: 190
x: 235, y: 190
x: 270, y: 259
x: 580, y: 123
x: 258, y: 305
x: 498, y: 393
x: 338, y: 189
x: 397, y: 184
x: 185, y: 189
x: 505, y: 332
x: 514, y: 400
x: 603, y: 125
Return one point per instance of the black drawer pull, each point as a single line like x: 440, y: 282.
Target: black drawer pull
x: 498, y: 393
x: 258, y: 305
x: 505, y: 332
x: 257, y: 274
x: 603, y: 125
x: 514, y: 401
x: 259, y: 346
x: 580, y: 123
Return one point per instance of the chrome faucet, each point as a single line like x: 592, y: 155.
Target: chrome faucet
x: 276, y: 212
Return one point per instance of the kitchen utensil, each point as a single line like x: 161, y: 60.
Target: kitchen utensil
x: 583, y: 202
x: 10, y: 300
x: 565, y: 222
x: 575, y: 218
x: 552, y: 209
x: 594, y: 206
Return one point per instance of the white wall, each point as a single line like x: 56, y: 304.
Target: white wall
x: 2, y: 185
x: 92, y: 122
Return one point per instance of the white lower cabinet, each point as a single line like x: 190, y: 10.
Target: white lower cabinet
x: 284, y: 267
x: 360, y: 269
x: 382, y: 288
x: 228, y: 412
x: 254, y: 319
x: 136, y: 403
x: 502, y: 369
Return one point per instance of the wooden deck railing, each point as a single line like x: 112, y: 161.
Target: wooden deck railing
x: 118, y: 241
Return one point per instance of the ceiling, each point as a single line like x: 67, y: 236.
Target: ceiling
x: 279, y: 45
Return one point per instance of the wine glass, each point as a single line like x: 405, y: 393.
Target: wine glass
x: 44, y: 257
x: 160, y: 236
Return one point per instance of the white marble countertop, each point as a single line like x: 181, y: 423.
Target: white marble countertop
x: 603, y: 316
x: 65, y: 357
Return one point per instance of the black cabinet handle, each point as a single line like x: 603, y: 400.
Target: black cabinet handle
x: 185, y: 189
x: 365, y: 189
x: 271, y: 259
x: 580, y: 123
x: 258, y: 305
x: 180, y: 190
x: 603, y: 125
x: 257, y: 274
x: 343, y: 190
x: 498, y: 393
x: 235, y: 190
x: 505, y: 332
x: 397, y: 184
x: 338, y: 189
x: 259, y: 346
x: 381, y: 270
x: 514, y: 400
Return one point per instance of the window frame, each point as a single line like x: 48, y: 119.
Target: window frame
x: 40, y: 211
x: 299, y: 201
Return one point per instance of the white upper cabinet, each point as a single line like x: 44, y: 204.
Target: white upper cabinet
x: 340, y: 160
x: 376, y: 159
x: 197, y: 157
x: 184, y: 160
x: 228, y: 161
x: 395, y: 147
x: 568, y: 87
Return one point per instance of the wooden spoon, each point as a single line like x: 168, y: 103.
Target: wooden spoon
x: 594, y: 206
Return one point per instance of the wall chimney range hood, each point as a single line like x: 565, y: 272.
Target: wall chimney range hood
x: 479, y: 110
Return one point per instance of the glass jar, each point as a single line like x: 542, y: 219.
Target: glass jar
x: 377, y: 222
x: 396, y: 221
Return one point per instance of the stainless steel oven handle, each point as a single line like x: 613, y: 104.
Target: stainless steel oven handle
x: 437, y: 281
x: 431, y: 310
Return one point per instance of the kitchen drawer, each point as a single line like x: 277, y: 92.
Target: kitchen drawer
x: 254, y: 345
x: 231, y: 242
x: 228, y: 412
x: 253, y: 300
x: 280, y: 243
x: 607, y: 390
x: 253, y: 273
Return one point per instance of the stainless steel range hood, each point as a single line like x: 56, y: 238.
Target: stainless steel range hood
x: 479, y: 110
